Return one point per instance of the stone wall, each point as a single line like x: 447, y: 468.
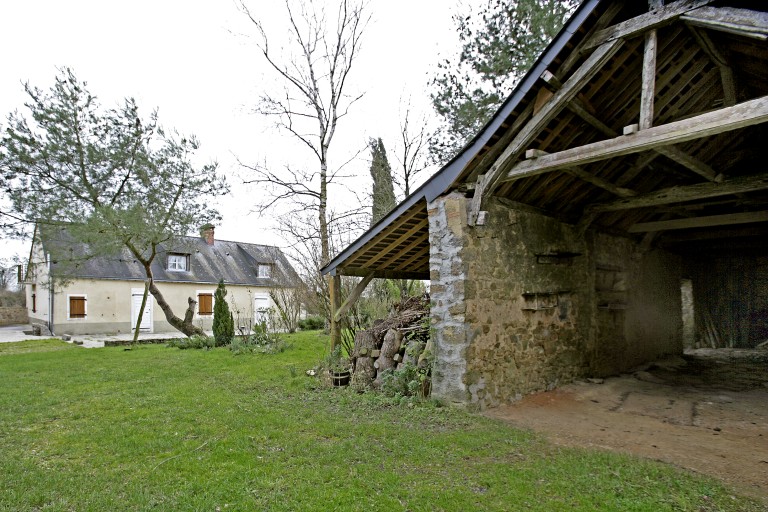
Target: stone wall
x: 13, y: 316
x: 524, y: 303
x: 447, y: 236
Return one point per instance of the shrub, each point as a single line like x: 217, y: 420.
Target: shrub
x: 261, y: 341
x: 223, y: 323
x: 196, y: 341
x: 406, y: 380
x: 312, y: 323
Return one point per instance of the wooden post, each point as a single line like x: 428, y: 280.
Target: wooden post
x: 648, y: 89
x: 334, y: 290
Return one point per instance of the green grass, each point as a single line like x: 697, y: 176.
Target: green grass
x: 156, y: 428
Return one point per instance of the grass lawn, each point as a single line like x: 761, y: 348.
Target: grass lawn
x: 156, y: 428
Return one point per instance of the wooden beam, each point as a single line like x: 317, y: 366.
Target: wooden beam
x: 640, y: 24
x: 579, y: 108
x: 726, y: 73
x: 701, y: 222
x: 695, y: 192
x: 585, y: 176
x: 548, y: 111
x: 725, y: 119
x: 648, y: 84
x: 353, y: 297
x: 743, y: 22
x: 599, y: 182
x: 691, y: 163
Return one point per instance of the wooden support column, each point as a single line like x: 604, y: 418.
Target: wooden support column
x: 334, y: 290
x: 648, y: 88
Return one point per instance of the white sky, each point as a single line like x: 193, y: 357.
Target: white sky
x: 196, y: 62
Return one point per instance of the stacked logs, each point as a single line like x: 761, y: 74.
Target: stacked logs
x: 401, y: 338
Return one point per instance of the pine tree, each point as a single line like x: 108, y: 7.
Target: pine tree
x: 498, y: 46
x: 383, y: 191
x: 223, y: 324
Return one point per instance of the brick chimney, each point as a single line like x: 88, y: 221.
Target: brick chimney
x: 206, y: 232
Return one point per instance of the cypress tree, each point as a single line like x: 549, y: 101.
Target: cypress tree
x: 223, y: 323
x: 383, y: 191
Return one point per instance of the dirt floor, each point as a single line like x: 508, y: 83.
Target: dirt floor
x: 706, y: 411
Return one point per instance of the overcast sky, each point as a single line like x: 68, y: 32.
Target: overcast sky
x: 196, y: 62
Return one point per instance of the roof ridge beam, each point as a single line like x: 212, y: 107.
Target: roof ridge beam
x: 743, y: 22
x: 639, y: 24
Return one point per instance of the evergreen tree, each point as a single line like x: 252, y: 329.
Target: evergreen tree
x: 499, y: 45
x: 223, y: 324
x: 116, y: 179
x: 383, y: 191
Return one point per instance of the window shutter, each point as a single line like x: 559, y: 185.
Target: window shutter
x: 77, y: 307
x: 205, y: 304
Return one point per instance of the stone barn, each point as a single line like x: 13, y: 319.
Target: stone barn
x: 626, y: 166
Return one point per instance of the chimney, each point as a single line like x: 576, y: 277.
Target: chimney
x: 206, y: 232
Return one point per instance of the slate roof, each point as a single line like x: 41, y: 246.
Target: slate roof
x: 235, y: 262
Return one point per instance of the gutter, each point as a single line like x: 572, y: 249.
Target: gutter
x: 50, y: 295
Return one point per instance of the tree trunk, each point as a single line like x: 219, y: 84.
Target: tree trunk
x: 389, y: 348
x: 185, y: 326
x: 141, y: 312
x: 364, y: 372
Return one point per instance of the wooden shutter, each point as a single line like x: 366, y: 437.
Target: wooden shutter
x: 77, y: 307
x: 205, y: 304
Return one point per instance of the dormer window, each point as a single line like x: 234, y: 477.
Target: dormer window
x: 178, y: 262
x: 265, y: 271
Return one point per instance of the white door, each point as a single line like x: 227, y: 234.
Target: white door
x: 137, y: 294
x: 260, y: 307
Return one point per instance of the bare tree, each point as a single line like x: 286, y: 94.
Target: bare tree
x: 412, y: 152
x: 314, y: 76
x: 289, y: 296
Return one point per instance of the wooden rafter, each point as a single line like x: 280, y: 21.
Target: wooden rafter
x: 695, y: 192
x: 726, y: 72
x: 700, y: 222
x: 725, y: 119
x: 553, y: 107
x: 580, y: 109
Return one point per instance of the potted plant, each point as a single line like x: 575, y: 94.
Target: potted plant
x: 338, y: 368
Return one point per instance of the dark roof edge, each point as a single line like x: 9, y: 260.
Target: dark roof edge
x: 444, y: 178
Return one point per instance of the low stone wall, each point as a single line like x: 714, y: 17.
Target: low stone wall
x: 13, y: 316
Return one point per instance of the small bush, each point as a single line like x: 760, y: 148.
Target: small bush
x: 313, y: 323
x: 196, y: 341
x: 260, y: 342
x: 407, y: 380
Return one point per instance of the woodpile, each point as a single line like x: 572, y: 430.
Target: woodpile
x: 401, y: 338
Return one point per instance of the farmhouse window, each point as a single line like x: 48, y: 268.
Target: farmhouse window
x: 265, y: 271
x: 204, y: 304
x: 77, y: 306
x: 178, y: 262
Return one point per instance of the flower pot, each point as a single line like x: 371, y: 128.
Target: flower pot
x: 340, y: 378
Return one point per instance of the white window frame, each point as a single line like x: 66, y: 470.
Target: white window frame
x: 177, y: 258
x: 69, y: 315
x: 264, y: 271
x: 212, y: 293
